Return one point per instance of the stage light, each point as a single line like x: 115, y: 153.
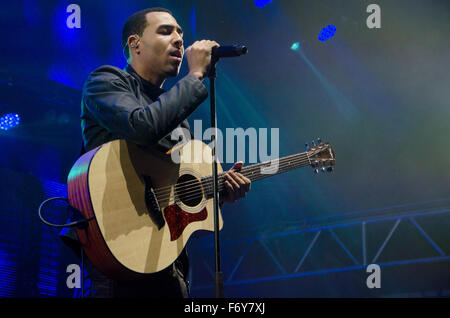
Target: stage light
x: 9, y: 121
x: 262, y: 3
x: 327, y: 33
x: 193, y: 21
x: 295, y: 46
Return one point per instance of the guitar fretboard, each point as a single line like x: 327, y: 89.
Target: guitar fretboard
x: 260, y: 171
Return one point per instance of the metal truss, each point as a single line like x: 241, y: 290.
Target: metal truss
x: 358, y: 263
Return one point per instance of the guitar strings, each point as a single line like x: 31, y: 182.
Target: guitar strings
x: 208, y: 186
x: 188, y: 184
x: 245, y: 171
x: 252, y: 169
x: 198, y: 193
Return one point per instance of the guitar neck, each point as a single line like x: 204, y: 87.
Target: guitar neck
x: 262, y: 170
x: 271, y: 168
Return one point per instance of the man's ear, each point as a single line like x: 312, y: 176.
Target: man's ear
x: 133, y: 45
x: 133, y: 41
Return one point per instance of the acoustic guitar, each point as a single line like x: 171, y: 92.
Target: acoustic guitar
x: 143, y: 207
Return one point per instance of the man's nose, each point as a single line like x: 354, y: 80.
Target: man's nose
x: 178, y: 41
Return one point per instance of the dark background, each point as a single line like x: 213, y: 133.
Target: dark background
x: 380, y: 96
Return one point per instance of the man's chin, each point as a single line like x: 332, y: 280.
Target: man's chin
x: 173, y: 70
x: 173, y: 73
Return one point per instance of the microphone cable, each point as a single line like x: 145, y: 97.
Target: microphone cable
x: 71, y: 224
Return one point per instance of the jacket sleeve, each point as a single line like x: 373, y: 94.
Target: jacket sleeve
x: 110, y: 101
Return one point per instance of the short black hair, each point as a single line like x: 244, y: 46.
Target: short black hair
x: 136, y: 24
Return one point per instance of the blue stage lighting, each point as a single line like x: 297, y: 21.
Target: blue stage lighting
x: 262, y: 3
x: 193, y: 21
x: 327, y: 33
x: 9, y: 121
x: 295, y: 46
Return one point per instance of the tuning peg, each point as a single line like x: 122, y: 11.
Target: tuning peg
x: 313, y: 143
x: 306, y: 146
x: 319, y: 141
x: 323, y: 169
x: 330, y: 169
x: 316, y: 170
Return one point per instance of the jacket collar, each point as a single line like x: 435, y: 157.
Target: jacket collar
x: 148, y: 88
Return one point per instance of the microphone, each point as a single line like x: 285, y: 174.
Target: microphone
x: 228, y: 51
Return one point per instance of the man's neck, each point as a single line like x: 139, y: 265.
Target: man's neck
x: 147, y: 74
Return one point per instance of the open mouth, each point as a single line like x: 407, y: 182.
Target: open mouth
x: 176, y: 54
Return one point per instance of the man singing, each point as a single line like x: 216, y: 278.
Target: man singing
x: 130, y: 104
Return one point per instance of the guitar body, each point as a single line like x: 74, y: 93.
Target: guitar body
x: 116, y: 184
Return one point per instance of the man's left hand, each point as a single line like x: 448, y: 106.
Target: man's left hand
x: 236, y: 184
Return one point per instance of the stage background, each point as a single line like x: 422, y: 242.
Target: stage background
x: 379, y: 96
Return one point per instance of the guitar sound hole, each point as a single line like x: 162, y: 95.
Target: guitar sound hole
x: 188, y: 190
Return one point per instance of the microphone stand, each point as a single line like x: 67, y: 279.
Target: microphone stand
x: 218, y: 277
x: 217, y: 52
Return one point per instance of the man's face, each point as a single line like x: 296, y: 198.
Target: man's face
x: 161, y: 46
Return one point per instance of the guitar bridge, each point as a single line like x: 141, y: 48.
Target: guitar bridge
x: 151, y: 202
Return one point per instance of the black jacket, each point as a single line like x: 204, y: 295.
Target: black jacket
x: 119, y: 104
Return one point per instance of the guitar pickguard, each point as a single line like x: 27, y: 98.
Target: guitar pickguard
x: 177, y: 219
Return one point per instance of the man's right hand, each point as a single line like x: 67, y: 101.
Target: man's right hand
x: 198, y: 56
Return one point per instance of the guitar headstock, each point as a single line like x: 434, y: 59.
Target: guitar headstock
x: 320, y: 155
